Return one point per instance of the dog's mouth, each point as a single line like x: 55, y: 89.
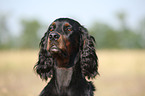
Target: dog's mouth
x: 54, y: 49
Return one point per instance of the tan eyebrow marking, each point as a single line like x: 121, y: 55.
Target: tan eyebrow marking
x: 53, y: 23
x: 66, y: 24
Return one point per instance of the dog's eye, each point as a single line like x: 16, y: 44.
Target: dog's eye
x: 69, y: 29
x: 51, y: 28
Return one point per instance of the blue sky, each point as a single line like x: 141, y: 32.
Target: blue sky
x: 84, y: 11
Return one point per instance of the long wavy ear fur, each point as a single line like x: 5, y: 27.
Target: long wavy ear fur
x: 45, y: 61
x: 88, y: 57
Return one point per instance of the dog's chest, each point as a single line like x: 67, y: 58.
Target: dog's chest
x: 63, y: 76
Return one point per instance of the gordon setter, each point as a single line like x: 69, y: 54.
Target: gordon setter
x: 67, y: 56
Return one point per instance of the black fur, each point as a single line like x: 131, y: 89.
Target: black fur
x: 74, y: 59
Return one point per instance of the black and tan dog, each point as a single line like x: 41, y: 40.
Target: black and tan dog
x: 67, y: 56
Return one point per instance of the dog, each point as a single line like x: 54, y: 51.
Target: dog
x: 67, y: 56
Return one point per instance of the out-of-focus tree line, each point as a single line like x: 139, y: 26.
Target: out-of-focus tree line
x: 122, y: 38
x: 28, y: 38
x: 107, y: 37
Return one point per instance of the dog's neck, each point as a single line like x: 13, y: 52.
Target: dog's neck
x: 63, y: 77
x: 64, y: 69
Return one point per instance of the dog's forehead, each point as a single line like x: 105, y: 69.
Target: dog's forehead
x: 62, y: 21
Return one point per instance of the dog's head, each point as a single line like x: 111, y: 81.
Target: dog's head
x: 64, y: 44
x: 63, y: 41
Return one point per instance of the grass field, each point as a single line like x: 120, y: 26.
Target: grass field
x: 122, y: 73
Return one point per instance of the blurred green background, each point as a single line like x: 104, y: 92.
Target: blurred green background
x: 118, y: 27
x: 107, y: 36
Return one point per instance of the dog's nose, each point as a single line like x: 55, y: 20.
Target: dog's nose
x: 54, y: 36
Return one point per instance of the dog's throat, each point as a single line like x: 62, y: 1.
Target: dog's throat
x: 63, y: 77
x: 62, y: 62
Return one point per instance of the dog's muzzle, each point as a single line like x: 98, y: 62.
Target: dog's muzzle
x: 54, y: 36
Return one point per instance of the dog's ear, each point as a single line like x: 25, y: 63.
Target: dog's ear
x: 45, y: 62
x: 88, y: 57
